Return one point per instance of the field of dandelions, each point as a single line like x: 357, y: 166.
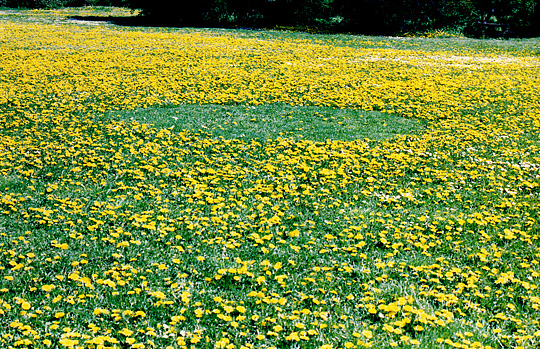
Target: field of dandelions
x: 116, y: 233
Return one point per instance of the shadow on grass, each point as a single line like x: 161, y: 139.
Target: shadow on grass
x: 129, y: 21
x: 144, y: 21
x: 160, y: 22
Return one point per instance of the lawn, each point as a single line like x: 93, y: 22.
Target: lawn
x: 211, y: 188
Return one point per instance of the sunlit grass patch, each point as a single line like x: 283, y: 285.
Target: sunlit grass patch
x: 271, y: 121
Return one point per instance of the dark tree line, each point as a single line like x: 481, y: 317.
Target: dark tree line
x: 475, y: 17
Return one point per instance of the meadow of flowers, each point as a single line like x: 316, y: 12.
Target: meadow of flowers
x: 118, y: 234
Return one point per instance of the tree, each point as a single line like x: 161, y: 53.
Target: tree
x: 497, y: 17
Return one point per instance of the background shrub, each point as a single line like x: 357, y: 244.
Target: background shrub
x: 517, y: 17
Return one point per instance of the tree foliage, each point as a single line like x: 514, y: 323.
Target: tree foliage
x: 476, y: 17
x: 361, y: 16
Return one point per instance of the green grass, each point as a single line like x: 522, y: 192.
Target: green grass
x: 255, y: 199
x: 265, y: 122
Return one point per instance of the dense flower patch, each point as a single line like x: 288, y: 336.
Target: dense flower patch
x: 117, y: 234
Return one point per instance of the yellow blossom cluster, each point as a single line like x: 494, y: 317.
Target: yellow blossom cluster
x: 118, y: 234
